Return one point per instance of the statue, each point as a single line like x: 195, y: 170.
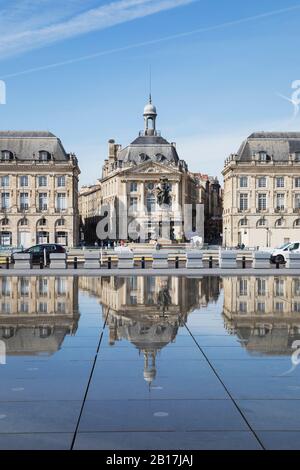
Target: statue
x: 163, y: 192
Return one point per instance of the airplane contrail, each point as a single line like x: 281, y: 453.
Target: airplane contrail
x: 154, y: 41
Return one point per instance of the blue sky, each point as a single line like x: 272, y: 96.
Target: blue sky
x: 80, y: 68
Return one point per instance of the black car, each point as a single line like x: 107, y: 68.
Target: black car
x: 39, y: 252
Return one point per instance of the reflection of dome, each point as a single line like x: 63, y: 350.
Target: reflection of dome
x: 149, y: 375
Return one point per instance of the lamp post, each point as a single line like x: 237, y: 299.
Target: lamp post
x: 225, y: 238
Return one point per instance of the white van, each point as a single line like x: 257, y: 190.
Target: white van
x: 278, y: 254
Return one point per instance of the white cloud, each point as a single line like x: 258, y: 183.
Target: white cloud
x: 30, y: 32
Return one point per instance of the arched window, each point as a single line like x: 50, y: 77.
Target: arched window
x: 160, y: 157
x: 261, y: 222
x: 143, y: 157
x: 243, y: 221
x: 279, y: 222
x: 60, y: 222
x: 42, y: 222
x: 44, y: 156
x: 6, y: 155
x: 23, y: 222
x: 263, y: 156
x: 297, y: 223
x: 5, y: 221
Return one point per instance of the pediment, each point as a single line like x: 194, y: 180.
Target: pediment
x: 151, y: 167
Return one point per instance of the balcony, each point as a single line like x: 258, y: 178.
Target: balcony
x: 280, y: 209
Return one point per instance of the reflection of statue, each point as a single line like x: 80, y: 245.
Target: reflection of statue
x: 164, y: 298
x: 163, y: 192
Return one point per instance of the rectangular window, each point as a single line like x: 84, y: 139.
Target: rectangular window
x: 23, y: 181
x: 261, y: 307
x: 42, y: 181
x: 279, y: 287
x: 61, y: 181
x: 243, y: 201
x: 24, y: 286
x: 297, y: 182
x: 278, y: 306
x: 61, y: 307
x: 262, y: 182
x: 279, y: 201
x: 24, y: 201
x: 243, y: 287
x: 280, y: 182
x: 296, y: 283
x: 133, y: 203
x: 43, y: 201
x: 243, y: 182
x: 5, y: 286
x: 5, y: 181
x: 61, y: 286
x: 133, y: 187
x: 5, y: 307
x: 61, y: 201
x: 24, y: 307
x: 262, y: 202
x: 43, y: 307
x: 296, y: 307
x: 243, y: 307
x: 5, y: 201
x: 297, y: 201
x: 43, y: 286
x: 261, y: 286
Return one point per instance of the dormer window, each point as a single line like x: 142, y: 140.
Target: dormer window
x: 6, y: 155
x: 160, y: 157
x: 262, y: 156
x: 297, y: 157
x: 44, y: 156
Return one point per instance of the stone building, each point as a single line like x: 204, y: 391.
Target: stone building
x: 39, y: 190
x: 128, y: 191
x: 37, y: 313
x: 263, y: 312
x: 210, y: 195
x: 262, y: 191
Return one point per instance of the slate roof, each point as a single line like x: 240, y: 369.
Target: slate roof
x: 151, y: 146
x: 25, y: 145
x: 278, y: 145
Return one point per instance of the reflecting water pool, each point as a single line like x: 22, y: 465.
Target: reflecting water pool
x: 149, y: 362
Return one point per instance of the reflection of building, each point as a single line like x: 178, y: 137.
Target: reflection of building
x: 36, y: 313
x: 38, y: 190
x: 262, y: 191
x: 264, y: 312
x: 147, y: 311
x: 130, y: 179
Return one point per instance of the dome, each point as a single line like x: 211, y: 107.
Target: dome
x: 150, y: 109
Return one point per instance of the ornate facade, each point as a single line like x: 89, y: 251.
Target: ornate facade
x: 145, y: 182
x: 262, y: 191
x: 39, y: 190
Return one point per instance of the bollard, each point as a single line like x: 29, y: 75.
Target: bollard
x: 176, y: 262
x: 244, y: 262
x: 210, y: 264
x: 143, y: 262
x: 41, y: 262
x: 109, y: 262
x: 75, y: 262
x: 7, y: 262
x: 277, y: 264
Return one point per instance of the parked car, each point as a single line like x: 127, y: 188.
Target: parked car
x: 278, y: 255
x: 37, y: 251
